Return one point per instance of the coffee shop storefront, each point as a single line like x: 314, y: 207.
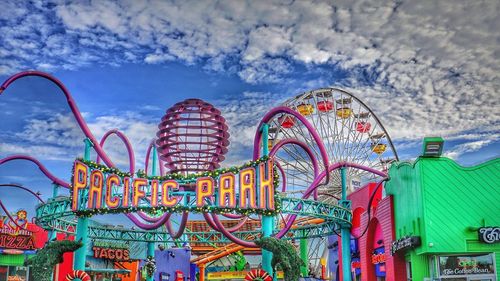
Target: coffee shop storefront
x: 446, y: 219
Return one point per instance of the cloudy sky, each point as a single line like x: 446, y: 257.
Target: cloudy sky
x: 424, y: 67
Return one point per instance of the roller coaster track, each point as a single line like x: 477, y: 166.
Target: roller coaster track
x: 233, y: 247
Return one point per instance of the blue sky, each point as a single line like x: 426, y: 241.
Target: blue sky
x: 423, y: 68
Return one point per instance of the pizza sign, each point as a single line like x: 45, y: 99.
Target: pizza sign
x: 20, y: 242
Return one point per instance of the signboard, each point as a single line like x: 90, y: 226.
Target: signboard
x: 378, y: 260
x: 466, y: 265
x: 405, y: 243
x: 19, y: 240
x: 111, y: 254
x: 356, y: 266
x: 98, y: 189
x: 111, y: 250
x: 489, y: 235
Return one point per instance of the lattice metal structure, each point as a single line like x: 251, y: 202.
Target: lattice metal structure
x: 57, y: 215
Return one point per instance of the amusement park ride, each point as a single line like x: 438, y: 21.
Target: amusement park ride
x: 308, y: 154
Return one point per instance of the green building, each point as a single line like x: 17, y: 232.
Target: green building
x: 447, y: 219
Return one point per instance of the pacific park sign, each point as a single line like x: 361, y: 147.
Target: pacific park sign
x: 246, y: 189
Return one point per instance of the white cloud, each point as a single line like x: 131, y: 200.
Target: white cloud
x: 468, y: 147
x: 423, y: 67
x: 60, y: 138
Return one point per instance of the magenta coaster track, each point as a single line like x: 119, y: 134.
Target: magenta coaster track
x: 37, y: 196
x: 193, y: 137
x: 155, y: 222
x: 314, y: 185
x: 72, y: 106
x: 131, y: 157
x: 146, y: 162
x: 42, y: 168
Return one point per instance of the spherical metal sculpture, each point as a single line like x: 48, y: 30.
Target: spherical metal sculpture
x: 192, y: 137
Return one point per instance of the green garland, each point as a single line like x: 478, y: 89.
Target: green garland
x: 102, y: 168
x: 189, y: 178
x: 150, y: 266
x: 284, y: 256
x: 46, y: 258
x: 174, y: 176
x: 213, y: 174
x: 181, y: 209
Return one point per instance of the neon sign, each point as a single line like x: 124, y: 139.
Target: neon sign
x: 99, y: 189
x: 378, y: 258
x: 19, y: 241
x: 111, y: 253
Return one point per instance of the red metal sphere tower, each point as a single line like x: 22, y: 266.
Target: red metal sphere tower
x: 192, y: 137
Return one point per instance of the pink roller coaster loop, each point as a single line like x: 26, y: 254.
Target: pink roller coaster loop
x: 131, y: 157
x: 23, y: 188
x: 306, y: 195
x: 155, y: 222
x: 146, y: 162
x: 72, y: 106
x: 282, y: 109
x: 256, y: 152
x: 272, y: 153
x: 42, y: 168
x: 306, y: 148
x: 8, y: 214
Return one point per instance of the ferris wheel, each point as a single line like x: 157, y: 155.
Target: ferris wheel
x: 350, y: 132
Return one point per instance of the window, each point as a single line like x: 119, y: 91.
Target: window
x: 17, y: 273
x: 408, y: 271
x: 467, y: 267
x: 3, y: 273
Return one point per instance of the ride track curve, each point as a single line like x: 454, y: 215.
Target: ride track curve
x: 37, y: 196
x: 212, y: 219
x: 98, y: 146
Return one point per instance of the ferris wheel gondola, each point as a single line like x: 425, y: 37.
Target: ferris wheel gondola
x: 350, y: 131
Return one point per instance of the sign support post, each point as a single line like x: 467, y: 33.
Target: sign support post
x: 82, y: 226
x: 345, y: 231
x: 154, y: 172
x: 267, y: 221
x: 303, y: 255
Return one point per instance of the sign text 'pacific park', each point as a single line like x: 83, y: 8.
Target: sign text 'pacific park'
x: 247, y: 189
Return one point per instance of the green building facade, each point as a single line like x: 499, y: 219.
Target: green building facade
x: 442, y: 211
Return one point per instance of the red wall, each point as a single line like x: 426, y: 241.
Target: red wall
x: 381, y: 218
x: 39, y: 233
x: 62, y: 269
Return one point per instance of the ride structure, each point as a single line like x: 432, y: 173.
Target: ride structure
x: 307, y: 155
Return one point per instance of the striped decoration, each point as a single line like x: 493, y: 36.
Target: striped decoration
x: 80, y: 274
x: 258, y: 275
